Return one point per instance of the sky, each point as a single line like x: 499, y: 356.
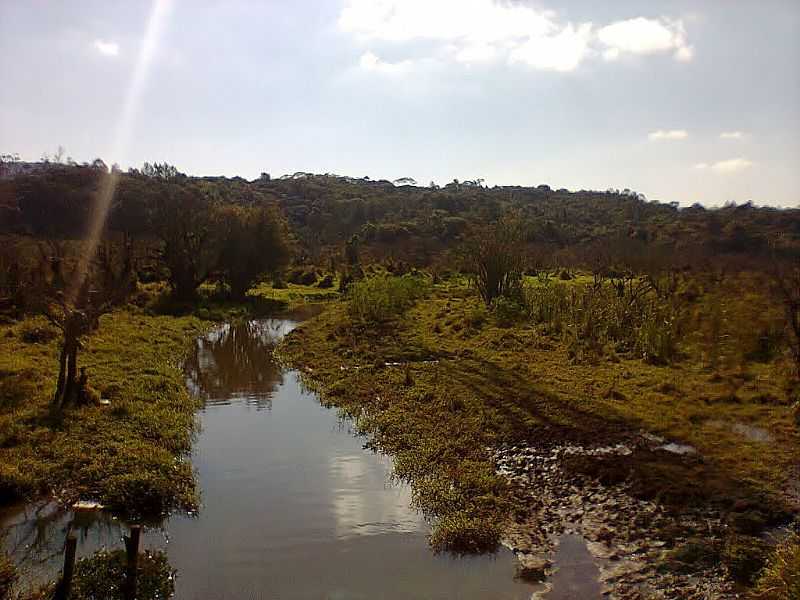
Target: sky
x: 686, y: 101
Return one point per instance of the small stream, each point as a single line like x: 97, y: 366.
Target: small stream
x: 292, y: 506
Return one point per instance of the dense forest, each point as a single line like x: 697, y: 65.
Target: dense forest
x: 388, y: 221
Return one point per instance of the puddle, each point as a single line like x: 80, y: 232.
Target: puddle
x: 752, y: 433
x: 676, y: 448
x: 576, y: 575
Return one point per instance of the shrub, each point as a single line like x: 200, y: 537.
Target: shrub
x: 507, y: 311
x: 382, y: 298
x: 475, y: 317
x: 308, y: 278
x: 37, y: 334
x: 494, y: 259
x: 326, y: 282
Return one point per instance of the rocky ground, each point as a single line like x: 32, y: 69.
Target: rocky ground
x: 630, y: 539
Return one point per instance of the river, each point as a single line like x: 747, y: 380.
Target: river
x: 292, y: 505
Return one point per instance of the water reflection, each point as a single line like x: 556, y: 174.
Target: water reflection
x: 34, y: 535
x: 364, y: 503
x: 234, y: 362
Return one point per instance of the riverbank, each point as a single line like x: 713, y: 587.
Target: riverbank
x: 126, y: 451
x: 501, y: 432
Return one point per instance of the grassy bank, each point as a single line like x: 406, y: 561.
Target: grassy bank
x: 468, y: 380
x: 127, y: 454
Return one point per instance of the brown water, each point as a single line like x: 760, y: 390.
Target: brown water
x: 292, y: 505
x: 576, y: 576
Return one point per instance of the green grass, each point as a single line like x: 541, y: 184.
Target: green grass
x: 295, y: 293
x: 130, y: 455
x: 496, y: 385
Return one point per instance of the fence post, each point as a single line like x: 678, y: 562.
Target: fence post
x: 64, y: 587
x: 132, y: 569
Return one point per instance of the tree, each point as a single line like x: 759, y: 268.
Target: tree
x: 77, y: 316
x: 494, y: 258
x: 183, y: 220
x: 253, y: 243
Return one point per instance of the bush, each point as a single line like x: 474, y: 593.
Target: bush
x: 326, y: 282
x: 475, y: 317
x: 38, y: 334
x: 507, y: 311
x: 308, y: 278
x: 382, y: 298
x: 303, y: 277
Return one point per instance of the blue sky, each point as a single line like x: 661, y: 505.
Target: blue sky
x: 680, y: 100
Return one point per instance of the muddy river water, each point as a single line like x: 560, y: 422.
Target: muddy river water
x: 292, y: 505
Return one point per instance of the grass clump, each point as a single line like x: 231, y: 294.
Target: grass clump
x: 463, y: 533
x: 630, y: 319
x: 780, y: 579
x: 745, y: 557
x: 381, y: 298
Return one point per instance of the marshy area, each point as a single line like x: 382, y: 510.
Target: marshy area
x: 502, y: 417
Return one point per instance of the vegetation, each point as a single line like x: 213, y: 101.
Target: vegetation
x: 495, y: 259
x: 129, y: 453
x: 253, y: 245
x: 493, y: 380
x: 471, y: 319
x: 781, y: 577
x: 381, y: 298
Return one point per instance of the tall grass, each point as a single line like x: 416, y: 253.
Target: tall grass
x: 593, y: 317
x: 382, y: 298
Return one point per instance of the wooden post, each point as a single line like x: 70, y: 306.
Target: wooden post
x: 65, y: 585
x: 132, y: 570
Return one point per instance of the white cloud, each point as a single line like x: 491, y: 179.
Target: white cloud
x: 371, y: 62
x: 726, y: 166
x: 645, y: 36
x: 106, y: 48
x: 468, y: 21
x: 475, y: 53
x: 731, y: 166
x: 731, y: 135
x: 561, y: 52
x: 483, y: 30
x: 671, y: 134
